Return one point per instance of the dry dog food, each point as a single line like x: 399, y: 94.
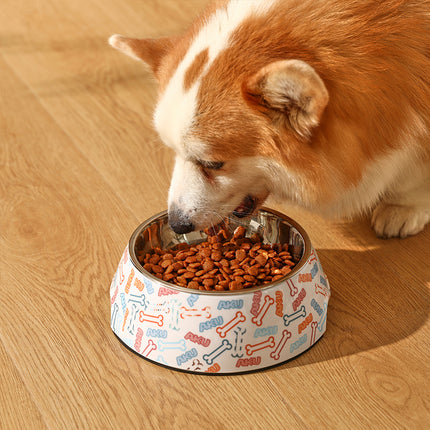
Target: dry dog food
x: 223, y: 262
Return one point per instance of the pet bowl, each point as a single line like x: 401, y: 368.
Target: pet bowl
x: 220, y: 332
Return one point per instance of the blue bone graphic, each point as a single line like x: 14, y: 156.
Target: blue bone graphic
x: 323, y: 318
x: 162, y: 345
x: 290, y: 318
x: 140, y: 300
x: 114, y: 316
x: 225, y: 346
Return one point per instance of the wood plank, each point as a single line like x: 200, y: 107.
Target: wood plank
x: 80, y: 167
x: 17, y: 408
x: 49, y: 234
x: 62, y: 239
x: 367, y: 371
x: 98, y: 94
x: 358, y: 386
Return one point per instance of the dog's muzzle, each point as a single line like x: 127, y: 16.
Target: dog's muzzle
x: 179, y: 222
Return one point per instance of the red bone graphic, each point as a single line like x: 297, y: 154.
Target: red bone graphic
x: 195, y: 365
x: 277, y: 352
x: 258, y: 319
x: 312, y: 257
x: 269, y: 343
x: 205, y: 312
x: 151, y: 346
x: 222, y: 331
x: 293, y: 288
x: 314, y: 326
x: 157, y: 319
x: 321, y: 290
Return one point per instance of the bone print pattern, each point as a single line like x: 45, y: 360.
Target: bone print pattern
x: 223, y: 333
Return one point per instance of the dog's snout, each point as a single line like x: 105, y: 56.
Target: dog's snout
x: 179, y: 222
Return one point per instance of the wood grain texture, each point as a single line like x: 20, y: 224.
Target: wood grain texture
x: 80, y: 168
x: 15, y: 398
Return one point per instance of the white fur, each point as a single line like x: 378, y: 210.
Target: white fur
x: 173, y: 123
x: 199, y: 199
x: 206, y: 202
x: 378, y: 177
x: 398, y: 184
x: 405, y: 209
x: 393, y: 178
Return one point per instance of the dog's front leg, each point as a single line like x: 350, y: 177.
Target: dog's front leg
x: 406, y: 211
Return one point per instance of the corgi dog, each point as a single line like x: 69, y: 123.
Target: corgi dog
x: 322, y: 103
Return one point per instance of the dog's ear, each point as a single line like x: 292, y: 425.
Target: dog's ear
x: 289, y: 91
x: 150, y: 51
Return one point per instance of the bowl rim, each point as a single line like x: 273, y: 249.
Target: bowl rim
x: 296, y: 269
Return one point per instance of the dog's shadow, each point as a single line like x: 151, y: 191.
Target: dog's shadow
x: 380, y: 296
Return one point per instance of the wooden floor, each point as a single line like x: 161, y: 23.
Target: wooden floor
x: 80, y: 168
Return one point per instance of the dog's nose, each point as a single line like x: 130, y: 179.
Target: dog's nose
x: 179, y: 222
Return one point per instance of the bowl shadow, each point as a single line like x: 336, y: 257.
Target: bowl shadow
x: 382, y: 299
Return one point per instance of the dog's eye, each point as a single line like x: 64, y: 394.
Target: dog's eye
x: 211, y: 165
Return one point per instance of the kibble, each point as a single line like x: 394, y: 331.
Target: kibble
x: 223, y: 262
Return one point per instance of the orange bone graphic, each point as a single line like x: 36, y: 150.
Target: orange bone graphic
x: 277, y: 352
x: 151, y: 346
x: 314, y: 326
x: 157, y: 319
x: 293, y: 288
x: 269, y: 343
x: 205, y: 312
x: 222, y: 331
x: 322, y: 290
x: 258, y: 319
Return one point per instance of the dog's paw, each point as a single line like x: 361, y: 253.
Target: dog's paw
x: 398, y: 221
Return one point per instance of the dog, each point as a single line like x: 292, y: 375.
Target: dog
x: 323, y: 103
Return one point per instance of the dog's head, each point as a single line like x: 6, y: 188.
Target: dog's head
x: 237, y: 116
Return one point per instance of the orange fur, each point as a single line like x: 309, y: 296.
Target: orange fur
x: 195, y: 70
x: 373, y: 59
x: 181, y: 44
